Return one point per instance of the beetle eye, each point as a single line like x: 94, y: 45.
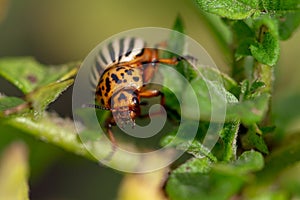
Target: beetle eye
x: 135, y: 100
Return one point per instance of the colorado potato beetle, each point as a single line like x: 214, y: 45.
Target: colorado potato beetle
x: 120, y: 74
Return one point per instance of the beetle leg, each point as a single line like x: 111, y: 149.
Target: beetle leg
x: 169, y: 61
x: 153, y: 93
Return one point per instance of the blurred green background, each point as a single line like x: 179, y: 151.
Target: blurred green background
x: 55, y: 31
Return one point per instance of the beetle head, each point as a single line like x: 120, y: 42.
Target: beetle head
x: 125, y: 106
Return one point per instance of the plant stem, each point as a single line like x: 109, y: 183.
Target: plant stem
x: 264, y: 73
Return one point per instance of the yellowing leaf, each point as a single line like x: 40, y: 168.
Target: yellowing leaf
x: 143, y: 186
x: 14, y: 173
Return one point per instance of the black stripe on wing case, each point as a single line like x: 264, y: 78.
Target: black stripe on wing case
x: 98, y: 67
x: 102, y: 57
x: 130, y: 48
x: 121, y: 50
x: 111, y: 51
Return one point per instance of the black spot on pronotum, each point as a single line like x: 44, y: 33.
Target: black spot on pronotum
x: 102, y: 101
x: 107, y: 84
x: 122, y: 97
x: 115, y: 78
x: 128, y: 71
x: 102, y: 87
x: 119, y: 68
x: 99, y: 92
x: 136, y: 78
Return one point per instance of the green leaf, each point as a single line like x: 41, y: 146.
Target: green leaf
x: 239, y: 9
x: 249, y: 91
x: 249, y: 161
x: 9, y: 102
x: 244, y: 37
x: 49, y: 128
x: 176, y: 44
x: 249, y: 111
x: 242, y: 30
x: 43, y: 96
x: 27, y: 74
x: 221, y: 30
x: 229, y: 136
x: 172, y: 87
x: 62, y: 133
x: 195, y: 180
x: 288, y: 23
x: 243, y: 48
x: 253, y: 139
x: 256, y: 85
x: 173, y: 42
x: 194, y: 165
x: 176, y: 40
x: 195, y: 186
x: 213, y: 74
x: 48, y: 84
x: 24, y: 73
x: 14, y: 173
x: 280, y: 6
x: 202, y: 179
x: 192, y: 146
x: 211, y: 96
x: 198, y: 148
x: 278, y: 171
x: 195, y: 147
x: 266, y: 50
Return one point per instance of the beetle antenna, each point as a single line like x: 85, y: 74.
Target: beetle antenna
x: 94, y: 106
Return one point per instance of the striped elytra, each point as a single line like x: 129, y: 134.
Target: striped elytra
x: 119, y: 75
x: 117, y: 51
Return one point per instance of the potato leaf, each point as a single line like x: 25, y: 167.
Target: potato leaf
x: 288, y: 23
x: 27, y: 74
x: 201, y: 179
x: 241, y: 9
